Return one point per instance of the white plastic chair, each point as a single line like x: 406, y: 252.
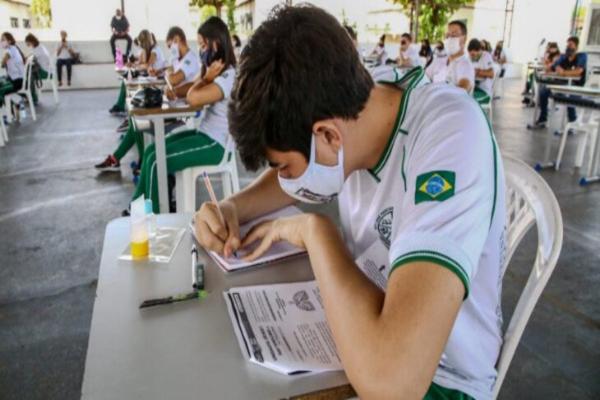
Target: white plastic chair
x: 529, y: 200
x: 26, y: 88
x: 185, y: 180
x: 586, y: 125
x: 53, y: 80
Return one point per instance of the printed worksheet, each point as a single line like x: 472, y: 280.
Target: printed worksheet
x: 283, y: 327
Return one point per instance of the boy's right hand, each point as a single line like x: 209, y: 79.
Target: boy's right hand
x: 211, y: 233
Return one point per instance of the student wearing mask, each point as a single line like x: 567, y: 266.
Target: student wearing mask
x: 409, y: 56
x: 237, y: 45
x: 484, y: 72
x: 424, y: 196
x: 64, y: 57
x: 42, y: 57
x: 571, y: 64
x: 120, y: 30
x: 186, y: 66
x: 13, y: 62
x: 438, y: 50
x: 457, y: 69
x: 550, y: 56
x: 206, y: 144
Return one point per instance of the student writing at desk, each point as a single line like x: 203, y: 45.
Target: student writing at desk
x: 424, y: 194
x: 484, y: 72
x: 185, y: 67
x: 206, y: 144
x: 571, y: 64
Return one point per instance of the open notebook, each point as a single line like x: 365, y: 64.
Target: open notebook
x: 278, y: 251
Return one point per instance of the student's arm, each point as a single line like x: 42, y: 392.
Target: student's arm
x: 484, y: 73
x: 390, y: 344
x: 204, y: 91
x: 175, y: 77
x: 5, y: 58
x: 262, y: 196
x: 579, y: 70
x: 465, y: 84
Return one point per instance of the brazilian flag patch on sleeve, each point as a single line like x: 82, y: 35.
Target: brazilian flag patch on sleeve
x: 435, y: 186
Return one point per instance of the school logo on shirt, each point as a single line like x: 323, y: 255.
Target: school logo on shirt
x: 435, y: 186
x: 383, y: 225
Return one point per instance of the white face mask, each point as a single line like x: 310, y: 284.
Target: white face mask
x: 4, y: 44
x: 174, y: 51
x: 319, y: 183
x: 452, y: 45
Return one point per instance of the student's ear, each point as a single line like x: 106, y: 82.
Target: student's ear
x: 328, y: 131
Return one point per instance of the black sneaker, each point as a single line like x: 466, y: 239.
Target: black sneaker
x: 124, y: 126
x: 114, y: 110
x: 110, y: 164
x: 540, y: 124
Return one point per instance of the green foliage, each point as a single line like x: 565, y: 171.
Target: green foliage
x: 209, y: 8
x: 433, y: 15
x: 41, y: 9
x: 206, y: 12
x: 230, y: 17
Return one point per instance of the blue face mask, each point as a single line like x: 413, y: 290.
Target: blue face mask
x: 206, y: 56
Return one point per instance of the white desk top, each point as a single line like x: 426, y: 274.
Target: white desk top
x: 580, y: 90
x: 180, y: 351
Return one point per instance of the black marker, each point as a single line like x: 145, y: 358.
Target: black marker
x: 200, y: 294
x: 197, y: 271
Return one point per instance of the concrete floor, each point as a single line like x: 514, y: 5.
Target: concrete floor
x: 54, y: 207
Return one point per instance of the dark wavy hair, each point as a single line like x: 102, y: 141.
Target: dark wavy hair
x: 299, y: 67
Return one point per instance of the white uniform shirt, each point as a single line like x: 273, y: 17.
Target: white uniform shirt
x: 160, y: 61
x: 461, y: 68
x: 189, y: 64
x: 42, y: 56
x: 485, y: 62
x: 213, y: 120
x: 437, y: 195
x: 15, y: 67
x: 412, y: 53
x: 437, y: 71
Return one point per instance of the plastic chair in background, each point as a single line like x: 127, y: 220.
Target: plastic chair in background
x: 185, y: 180
x: 53, y: 80
x: 3, y: 128
x: 26, y: 88
x: 529, y: 201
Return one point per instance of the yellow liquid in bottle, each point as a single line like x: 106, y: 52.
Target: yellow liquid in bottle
x: 140, y: 249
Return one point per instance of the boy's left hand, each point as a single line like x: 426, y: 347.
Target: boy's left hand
x: 290, y: 229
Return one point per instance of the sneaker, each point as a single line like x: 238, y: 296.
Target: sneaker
x: 125, y: 213
x: 110, y: 164
x: 540, y: 124
x: 115, y: 110
x: 124, y: 126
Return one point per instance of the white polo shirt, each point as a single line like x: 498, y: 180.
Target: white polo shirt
x: 412, y: 53
x: 437, y: 195
x: 42, y: 56
x: 189, y: 64
x: 15, y: 67
x: 160, y: 61
x: 461, y: 68
x: 485, y: 62
x: 213, y: 119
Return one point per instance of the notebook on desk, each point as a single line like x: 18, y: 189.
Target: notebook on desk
x: 279, y: 251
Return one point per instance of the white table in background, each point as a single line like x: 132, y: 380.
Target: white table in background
x: 157, y: 117
x: 539, y: 79
x: 587, y: 93
x: 186, y: 350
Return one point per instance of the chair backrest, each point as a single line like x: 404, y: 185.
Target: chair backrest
x: 529, y: 201
x: 229, y: 153
x: 28, y: 71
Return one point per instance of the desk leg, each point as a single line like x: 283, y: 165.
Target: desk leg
x: 593, y: 174
x: 161, y: 164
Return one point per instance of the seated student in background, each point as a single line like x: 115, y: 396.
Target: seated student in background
x: 439, y: 51
x: 119, y: 26
x: 149, y: 58
x: 64, y: 56
x: 186, y: 66
x: 14, y: 62
x: 409, y: 56
x: 379, y: 53
x: 571, y: 64
x: 457, y: 69
x: 206, y: 144
x: 484, y: 72
x: 551, y: 54
x: 499, y: 56
x: 422, y: 195
x: 237, y: 45
x: 42, y: 57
